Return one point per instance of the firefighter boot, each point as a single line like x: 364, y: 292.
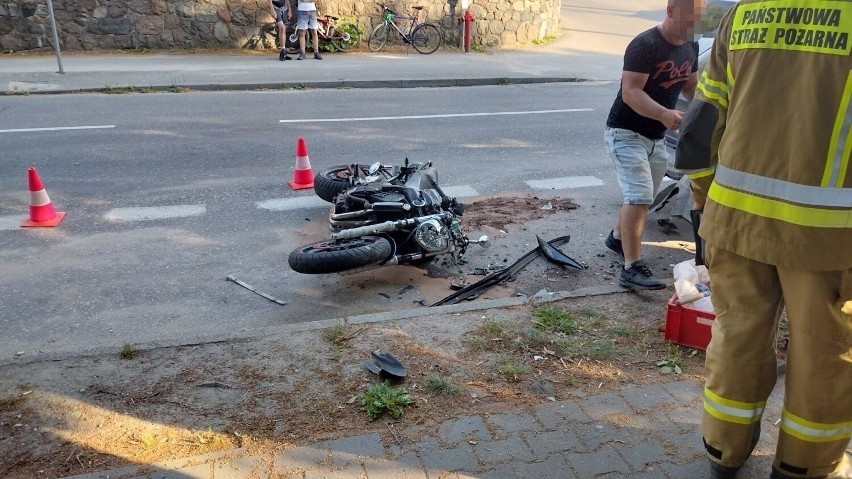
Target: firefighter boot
x: 695, y: 216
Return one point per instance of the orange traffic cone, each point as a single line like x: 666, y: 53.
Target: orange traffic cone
x: 303, y: 177
x: 41, y: 209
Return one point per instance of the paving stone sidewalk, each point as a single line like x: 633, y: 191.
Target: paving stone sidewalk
x: 639, y: 432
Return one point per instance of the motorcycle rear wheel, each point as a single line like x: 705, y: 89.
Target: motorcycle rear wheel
x: 330, y: 182
x: 336, y: 256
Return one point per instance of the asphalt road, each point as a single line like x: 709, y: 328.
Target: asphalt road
x: 104, y: 278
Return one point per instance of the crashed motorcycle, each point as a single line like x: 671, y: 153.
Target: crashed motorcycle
x: 383, y: 215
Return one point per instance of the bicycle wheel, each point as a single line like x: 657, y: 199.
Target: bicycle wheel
x: 378, y: 37
x: 426, y: 38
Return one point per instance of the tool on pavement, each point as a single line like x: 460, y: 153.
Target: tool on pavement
x: 248, y: 287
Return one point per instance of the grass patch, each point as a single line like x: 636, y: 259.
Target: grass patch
x: 177, y: 89
x: 109, y: 90
x: 384, y: 398
x: 477, y: 48
x: 512, y: 369
x: 623, y: 330
x: 335, y: 334
x: 602, y: 349
x: 593, y: 318
x: 491, y: 328
x: 555, y: 320
x: 439, y: 385
x: 544, y: 41
x: 16, y: 93
x: 127, y: 351
x: 299, y: 86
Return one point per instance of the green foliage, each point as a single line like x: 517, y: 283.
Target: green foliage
x: 672, y: 362
x: 124, y: 89
x: 603, y: 348
x: 712, y: 17
x: 384, y: 398
x: 512, y: 369
x: 439, y: 385
x: 477, y: 48
x: 127, y: 351
x: 349, y: 25
x: 624, y: 330
x: 554, y: 320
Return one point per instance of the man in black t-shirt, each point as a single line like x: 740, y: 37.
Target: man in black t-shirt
x: 280, y: 10
x: 659, y: 64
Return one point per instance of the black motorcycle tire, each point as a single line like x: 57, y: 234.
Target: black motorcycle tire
x: 329, y: 182
x: 337, y: 256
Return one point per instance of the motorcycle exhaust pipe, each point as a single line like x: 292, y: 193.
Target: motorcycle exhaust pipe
x: 349, y: 215
x: 385, y: 227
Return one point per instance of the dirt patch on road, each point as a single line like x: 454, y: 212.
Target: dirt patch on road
x: 87, y: 414
x: 501, y: 211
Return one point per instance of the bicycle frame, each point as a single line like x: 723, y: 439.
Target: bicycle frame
x: 390, y: 16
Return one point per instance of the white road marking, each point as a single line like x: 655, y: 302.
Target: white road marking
x: 11, y: 222
x: 448, y: 115
x: 155, y: 212
x: 462, y: 191
x: 292, y: 203
x: 59, y: 128
x: 563, y: 183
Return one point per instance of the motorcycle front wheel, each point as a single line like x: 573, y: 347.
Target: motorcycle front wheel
x: 329, y: 182
x: 335, y: 256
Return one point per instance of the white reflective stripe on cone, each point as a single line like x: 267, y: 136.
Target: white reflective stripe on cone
x: 39, y: 198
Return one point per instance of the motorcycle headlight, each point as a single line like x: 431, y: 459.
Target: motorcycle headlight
x: 432, y: 236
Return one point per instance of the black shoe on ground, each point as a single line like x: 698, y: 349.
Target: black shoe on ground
x: 282, y: 55
x: 638, y: 276
x: 614, y: 244
x: 317, y: 56
x: 301, y: 56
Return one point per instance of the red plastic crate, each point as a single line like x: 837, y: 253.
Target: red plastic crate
x: 688, y: 326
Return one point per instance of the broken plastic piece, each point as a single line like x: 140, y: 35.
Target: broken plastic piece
x: 553, y: 254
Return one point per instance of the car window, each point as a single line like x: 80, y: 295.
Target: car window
x: 713, y: 14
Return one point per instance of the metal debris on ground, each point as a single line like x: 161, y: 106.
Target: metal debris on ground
x: 406, y: 289
x: 503, y: 274
x: 248, y: 287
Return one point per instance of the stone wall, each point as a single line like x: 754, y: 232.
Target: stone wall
x: 181, y: 24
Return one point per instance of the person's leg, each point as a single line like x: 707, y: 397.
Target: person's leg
x: 816, y: 419
x: 314, y: 25
x: 302, y: 25
x: 740, y: 365
x: 315, y: 37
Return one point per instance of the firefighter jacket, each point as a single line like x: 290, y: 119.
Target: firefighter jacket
x: 780, y: 75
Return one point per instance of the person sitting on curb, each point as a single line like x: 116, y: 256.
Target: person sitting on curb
x: 307, y: 19
x: 281, y: 13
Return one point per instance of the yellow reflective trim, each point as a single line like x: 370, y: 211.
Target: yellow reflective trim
x: 813, y: 431
x: 730, y: 77
x: 747, y: 406
x: 714, y: 83
x: 728, y: 417
x: 712, y: 95
x: 779, y: 210
x: 803, y: 25
x: 701, y: 173
x: 838, y: 161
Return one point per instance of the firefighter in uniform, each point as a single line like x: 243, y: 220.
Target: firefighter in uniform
x: 773, y: 122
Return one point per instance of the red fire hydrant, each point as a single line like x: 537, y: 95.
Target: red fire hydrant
x: 468, y: 29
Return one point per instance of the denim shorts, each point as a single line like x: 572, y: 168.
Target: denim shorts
x: 307, y: 20
x: 640, y: 164
x: 280, y: 14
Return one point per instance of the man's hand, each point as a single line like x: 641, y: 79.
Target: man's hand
x: 671, y: 119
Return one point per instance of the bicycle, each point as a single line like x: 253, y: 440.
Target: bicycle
x: 424, y: 37
x: 327, y: 32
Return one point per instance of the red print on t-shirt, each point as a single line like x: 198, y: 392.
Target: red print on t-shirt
x: 675, y: 74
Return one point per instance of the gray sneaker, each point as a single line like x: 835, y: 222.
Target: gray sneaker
x: 638, y: 276
x: 614, y: 244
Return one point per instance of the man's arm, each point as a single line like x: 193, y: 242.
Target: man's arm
x: 633, y: 94
x: 689, y: 89
x: 272, y: 10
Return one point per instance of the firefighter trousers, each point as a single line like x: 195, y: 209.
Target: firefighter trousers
x: 741, y: 369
